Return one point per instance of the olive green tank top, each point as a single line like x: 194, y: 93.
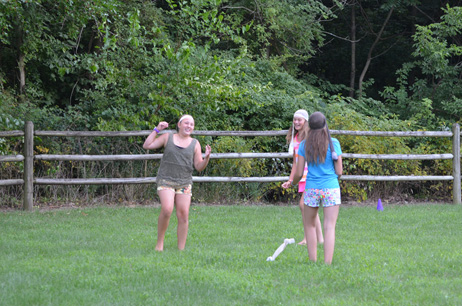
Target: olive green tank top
x: 176, y: 165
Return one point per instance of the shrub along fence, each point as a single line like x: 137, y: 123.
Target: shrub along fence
x: 28, y: 158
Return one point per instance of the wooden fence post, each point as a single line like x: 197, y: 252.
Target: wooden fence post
x: 28, y: 166
x: 456, y: 189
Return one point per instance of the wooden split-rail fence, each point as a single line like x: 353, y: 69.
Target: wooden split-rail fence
x: 28, y: 181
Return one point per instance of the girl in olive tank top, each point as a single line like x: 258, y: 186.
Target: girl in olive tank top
x: 182, y: 154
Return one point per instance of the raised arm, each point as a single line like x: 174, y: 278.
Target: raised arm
x: 199, y: 162
x: 299, y: 170
x: 153, y: 142
x: 291, y: 176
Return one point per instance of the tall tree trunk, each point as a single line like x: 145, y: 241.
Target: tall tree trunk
x: 22, y: 73
x: 20, y: 57
x: 369, y: 55
x: 353, y: 50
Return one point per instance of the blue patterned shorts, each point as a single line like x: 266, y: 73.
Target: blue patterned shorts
x: 327, y: 196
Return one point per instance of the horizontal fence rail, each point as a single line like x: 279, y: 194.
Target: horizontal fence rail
x: 217, y: 179
x: 29, y: 157
x: 235, y: 156
x: 151, y: 180
x: 11, y: 182
x: 238, y: 133
x: 11, y: 158
x: 11, y: 133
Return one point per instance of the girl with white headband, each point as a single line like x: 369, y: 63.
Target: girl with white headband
x: 182, y: 154
x: 295, y: 135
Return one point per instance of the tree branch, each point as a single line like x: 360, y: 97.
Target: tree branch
x: 369, y: 55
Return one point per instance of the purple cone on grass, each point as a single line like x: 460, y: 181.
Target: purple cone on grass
x: 379, y: 205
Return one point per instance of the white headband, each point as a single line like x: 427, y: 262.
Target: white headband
x: 186, y: 117
x: 301, y: 113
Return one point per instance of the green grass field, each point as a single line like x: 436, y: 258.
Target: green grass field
x: 405, y: 255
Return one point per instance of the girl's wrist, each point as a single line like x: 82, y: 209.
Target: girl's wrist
x: 156, y: 130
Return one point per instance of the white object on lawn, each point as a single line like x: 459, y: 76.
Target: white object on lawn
x: 280, y: 249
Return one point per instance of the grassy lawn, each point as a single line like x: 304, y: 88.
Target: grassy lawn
x: 405, y: 255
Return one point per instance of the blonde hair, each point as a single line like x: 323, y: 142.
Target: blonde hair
x: 301, y: 113
x: 301, y: 133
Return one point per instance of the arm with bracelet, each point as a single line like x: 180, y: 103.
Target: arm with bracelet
x: 153, y: 142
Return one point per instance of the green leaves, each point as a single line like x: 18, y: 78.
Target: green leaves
x: 430, y: 87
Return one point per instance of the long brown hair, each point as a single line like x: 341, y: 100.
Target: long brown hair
x: 301, y: 133
x: 317, y: 139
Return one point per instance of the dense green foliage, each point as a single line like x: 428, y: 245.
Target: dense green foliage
x: 234, y: 65
x: 105, y: 256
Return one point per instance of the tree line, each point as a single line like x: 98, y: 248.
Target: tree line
x: 234, y: 65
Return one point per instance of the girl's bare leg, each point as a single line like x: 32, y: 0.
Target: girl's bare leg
x: 330, y: 220
x: 319, y: 236
x: 183, y: 201
x: 302, y: 204
x: 167, y: 198
x: 309, y: 215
